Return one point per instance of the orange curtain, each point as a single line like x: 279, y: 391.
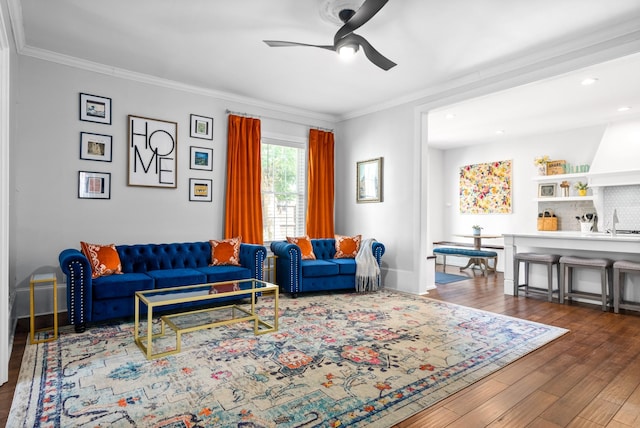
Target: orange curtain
x: 320, y: 185
x: 243, y: 210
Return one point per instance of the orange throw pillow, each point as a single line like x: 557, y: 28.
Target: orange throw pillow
x: 305, y: 246
x: 104, y: 259
x: 225, y: 252
x: 347, y: 246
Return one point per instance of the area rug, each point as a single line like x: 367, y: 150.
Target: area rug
x: 337, y: 360
x: 447, y: 278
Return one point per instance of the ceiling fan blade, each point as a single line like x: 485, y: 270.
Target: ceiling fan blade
x: 281, y: 44
x: 374, y: 56
x: 368, y: 9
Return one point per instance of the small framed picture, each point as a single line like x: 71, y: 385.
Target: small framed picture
x: 200, y: 189
x: 547, y: 190
x: 95, y: 147
x: 94, y: 185
x: 369, y: 181
x: 201, y: 158
x: 95, y: 109
x: 201, y: 127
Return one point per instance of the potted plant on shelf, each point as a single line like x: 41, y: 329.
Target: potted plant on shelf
x: 581, y: 188
x: 476, y: 229
x: 541, y: 164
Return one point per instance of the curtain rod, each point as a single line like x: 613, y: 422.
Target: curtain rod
x: 237, y: 113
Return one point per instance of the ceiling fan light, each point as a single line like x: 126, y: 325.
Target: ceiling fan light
x: 347, y: 51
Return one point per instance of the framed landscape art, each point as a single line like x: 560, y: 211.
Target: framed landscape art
x: 369, y: 181
x: 201, y: 158
x: 95, y: 109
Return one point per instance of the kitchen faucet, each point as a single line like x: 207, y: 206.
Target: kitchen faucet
x: 614, y: 221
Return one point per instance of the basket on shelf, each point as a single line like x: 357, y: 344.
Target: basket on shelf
x: 547, y: 222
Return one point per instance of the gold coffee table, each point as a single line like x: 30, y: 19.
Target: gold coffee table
x: 236, y: 311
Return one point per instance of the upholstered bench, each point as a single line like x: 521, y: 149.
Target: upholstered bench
x: 478, y: 257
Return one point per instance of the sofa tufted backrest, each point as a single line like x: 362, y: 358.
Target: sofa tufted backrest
x: 146, y: 257
x: 324, y: 248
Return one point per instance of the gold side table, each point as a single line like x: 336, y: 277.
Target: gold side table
x: 45, y: 278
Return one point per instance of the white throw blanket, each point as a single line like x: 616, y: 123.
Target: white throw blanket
x: 367, y: 269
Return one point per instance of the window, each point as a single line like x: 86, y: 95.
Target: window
x: 283, y: 188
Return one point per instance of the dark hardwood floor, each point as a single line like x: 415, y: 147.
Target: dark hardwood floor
x: 587, y: 378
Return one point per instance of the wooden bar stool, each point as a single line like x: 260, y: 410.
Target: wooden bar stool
x: 568, y: 263
x: 549, y: 260
x: 620, y: 268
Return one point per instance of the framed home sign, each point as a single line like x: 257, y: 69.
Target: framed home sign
x: 153, y: 152
x: 95, y: 109
x: 94, y: 185
x: 369, y: 181
x: 201, y: 127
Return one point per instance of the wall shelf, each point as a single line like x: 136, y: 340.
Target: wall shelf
x: 561, y: 177
x: 558, y: 178
x: 565, y: 199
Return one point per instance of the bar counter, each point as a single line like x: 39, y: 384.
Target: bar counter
x: 592, y: 244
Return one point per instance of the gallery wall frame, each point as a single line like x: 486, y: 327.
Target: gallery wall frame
x: 201, y: 158
x: 200, y: 189
x: 369, y: 180
x: 547, y: 190
x: 201, y: 127
x: 94, y: 185
x: 153, y: 152
x: 96, y: 147
x: 94, y: 108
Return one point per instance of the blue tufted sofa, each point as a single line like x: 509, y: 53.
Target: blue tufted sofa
x: 145, y: 267
x: 295, y: 275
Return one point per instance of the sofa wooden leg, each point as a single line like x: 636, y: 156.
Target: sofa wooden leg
x: 80, y: 328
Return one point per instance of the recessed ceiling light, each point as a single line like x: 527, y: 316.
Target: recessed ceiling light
x: 450, y: 116
x: 500, y: 131
x: 589, y: 81
x: 624, y: 108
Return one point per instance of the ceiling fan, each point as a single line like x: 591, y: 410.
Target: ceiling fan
x: 345, y: 38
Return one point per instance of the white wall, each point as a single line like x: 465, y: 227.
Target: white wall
x: 395, y: 221
x: 575, y: 146
x: 46, y: 147
x: 388, y: 134
x: 49, y: 217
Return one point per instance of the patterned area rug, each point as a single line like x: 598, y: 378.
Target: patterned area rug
x: 337, y: 360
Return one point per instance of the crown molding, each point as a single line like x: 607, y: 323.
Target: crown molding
x: 121, y: 73
x: 17, y: 27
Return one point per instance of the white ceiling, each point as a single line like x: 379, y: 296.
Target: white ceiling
x: 554, y: 104
x: 217, y: 46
